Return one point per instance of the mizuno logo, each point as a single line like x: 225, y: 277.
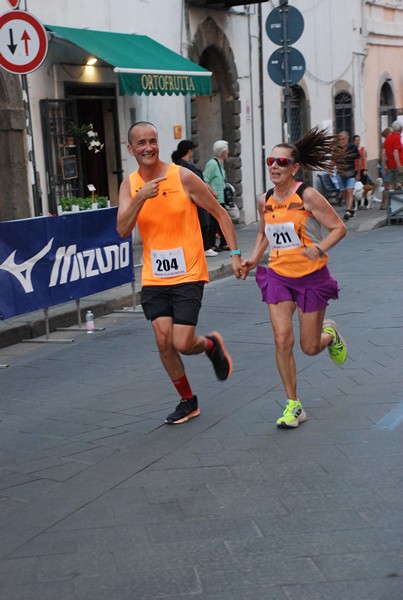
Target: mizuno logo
x: 26, y: 267
x: 70, y: 265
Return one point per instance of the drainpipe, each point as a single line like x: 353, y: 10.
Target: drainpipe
x: 261, y: 96
x: 252, y: 108
x: 185, y: 17
x: 34, y: 176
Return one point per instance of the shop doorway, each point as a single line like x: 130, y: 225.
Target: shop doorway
x: 71, y: 164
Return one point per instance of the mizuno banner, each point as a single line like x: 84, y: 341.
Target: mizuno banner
x: 50, y: 260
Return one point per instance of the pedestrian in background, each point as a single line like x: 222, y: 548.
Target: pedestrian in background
x: 384, y: 172
x: 163, y: 198
x: 183, y: 156
x: 214, y: 175
x: 346, y: 172
x: 292, y: 216
x: 393, y: 156
x: 361, y: 164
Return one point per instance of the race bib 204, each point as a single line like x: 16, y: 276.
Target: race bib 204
x: 168, y: 263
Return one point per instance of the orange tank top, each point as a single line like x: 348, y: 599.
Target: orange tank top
x: 170, y: 230
x: 289, y: 227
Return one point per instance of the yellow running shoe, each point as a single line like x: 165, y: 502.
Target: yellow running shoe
x: 338, y: 348
x: 293, y: 415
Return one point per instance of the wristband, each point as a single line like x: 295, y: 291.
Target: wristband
x: 321, y: 252
x: 233, y: 252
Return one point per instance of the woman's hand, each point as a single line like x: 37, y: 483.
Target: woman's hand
x: 247, y: 265
x: 312, y: 252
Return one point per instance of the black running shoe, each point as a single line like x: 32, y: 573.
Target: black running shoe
x: 219, y: 356
x: 186, y: 409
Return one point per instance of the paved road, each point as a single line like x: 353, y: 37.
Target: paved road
x: 100, y: 501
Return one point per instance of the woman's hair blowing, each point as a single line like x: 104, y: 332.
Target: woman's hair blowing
x: 317, y: 150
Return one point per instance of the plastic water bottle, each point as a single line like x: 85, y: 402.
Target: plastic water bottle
x: 90, y: 326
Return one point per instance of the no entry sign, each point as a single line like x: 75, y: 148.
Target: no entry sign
x: 23, y: 42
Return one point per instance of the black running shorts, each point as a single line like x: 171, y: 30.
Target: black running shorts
x: 182, y: 302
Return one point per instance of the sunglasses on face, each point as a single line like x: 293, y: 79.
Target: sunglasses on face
x: 281, y: 162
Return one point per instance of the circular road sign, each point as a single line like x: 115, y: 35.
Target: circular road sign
x: 274, y: 25
x: 296, y: 66
x: 23, y: 42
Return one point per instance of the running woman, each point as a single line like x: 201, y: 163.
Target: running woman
x: 291, y: 218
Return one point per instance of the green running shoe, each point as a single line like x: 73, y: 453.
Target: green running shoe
x: 293, y: 415
x: 338, y: 348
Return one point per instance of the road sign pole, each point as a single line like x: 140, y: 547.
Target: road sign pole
x: 287, y: 99
x: 36, y: 195
x: 286, y: 66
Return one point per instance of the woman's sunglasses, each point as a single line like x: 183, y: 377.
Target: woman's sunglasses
x: 281, y: 162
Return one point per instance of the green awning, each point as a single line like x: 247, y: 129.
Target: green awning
x: 143, y: 65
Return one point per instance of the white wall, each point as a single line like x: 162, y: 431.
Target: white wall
x: 333, y: 43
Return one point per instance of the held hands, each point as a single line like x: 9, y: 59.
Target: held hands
x: 247, y: 265
x: 237, y: 266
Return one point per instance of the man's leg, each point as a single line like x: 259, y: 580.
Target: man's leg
x: 173, y: 364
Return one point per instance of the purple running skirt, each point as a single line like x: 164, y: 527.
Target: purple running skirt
x: 310, y: 293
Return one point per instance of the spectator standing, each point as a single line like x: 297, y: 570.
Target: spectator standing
x: 361, y: 164
x: 183, y: 156
x: 214, y: 175
x: 393, y: 156
x: 384, y: 174
x: 346, y: 172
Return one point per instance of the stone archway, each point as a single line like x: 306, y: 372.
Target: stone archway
x: 14, y: 197
x: 217, y: 116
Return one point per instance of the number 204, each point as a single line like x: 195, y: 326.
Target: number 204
x: 164, y: 265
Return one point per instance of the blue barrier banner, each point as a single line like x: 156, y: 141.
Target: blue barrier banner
x: 50, y: 260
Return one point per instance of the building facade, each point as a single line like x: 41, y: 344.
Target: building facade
x: 352, y: 80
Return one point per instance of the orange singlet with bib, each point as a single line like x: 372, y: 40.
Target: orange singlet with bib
x: 170, y: 230
x: 289, y: 227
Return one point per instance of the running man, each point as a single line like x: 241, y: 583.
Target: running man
x: 162, y: 199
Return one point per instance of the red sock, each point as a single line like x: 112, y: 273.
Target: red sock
x: 209, y: 345
x: 183, y: 387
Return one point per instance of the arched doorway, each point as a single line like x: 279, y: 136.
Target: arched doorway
x: 387, y: 110
x: 218, y: 116
x: 299, y: 113
x: 14, y: 197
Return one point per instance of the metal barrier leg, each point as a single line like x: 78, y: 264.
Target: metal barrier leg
x: 131, y: 309
x: 47, y: 339
x: 135, y: 308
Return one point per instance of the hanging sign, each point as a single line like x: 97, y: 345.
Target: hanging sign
x: 23, y: 42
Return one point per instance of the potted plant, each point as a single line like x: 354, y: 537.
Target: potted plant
x: 75, y: 204
x: 86, y: 135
